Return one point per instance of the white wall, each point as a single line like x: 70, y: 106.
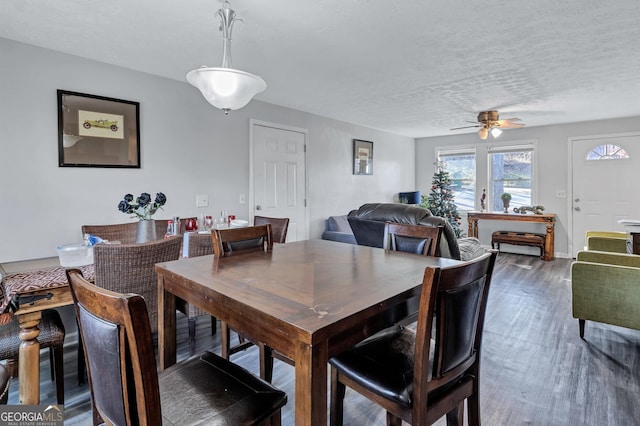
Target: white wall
x: 553, y: 161
x: 187, y: 148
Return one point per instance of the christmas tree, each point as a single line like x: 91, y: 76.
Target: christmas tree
x: 440, y: 200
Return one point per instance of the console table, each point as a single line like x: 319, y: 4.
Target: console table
x: 548, y: 219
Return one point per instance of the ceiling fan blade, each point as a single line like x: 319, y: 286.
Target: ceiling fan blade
x: 466, y: 127
x: 508, y: 125
x: 510, y: 119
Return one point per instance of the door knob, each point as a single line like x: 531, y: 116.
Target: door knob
x: 577, y: 209
x: 258, y: 207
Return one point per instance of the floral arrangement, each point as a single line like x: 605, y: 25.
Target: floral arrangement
x: 142, y: 208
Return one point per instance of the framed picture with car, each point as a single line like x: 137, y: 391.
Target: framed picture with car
x: 96, y: 131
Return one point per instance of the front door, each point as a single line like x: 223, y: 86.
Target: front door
x: 279, y: 176
x: 605, y: 184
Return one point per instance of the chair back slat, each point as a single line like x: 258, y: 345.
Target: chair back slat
x: 417, y: 239
x: 234, y: 241
x: 279, y: 226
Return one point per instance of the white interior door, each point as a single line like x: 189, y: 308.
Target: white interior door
x: 603, y: 190
x: 279, y: 176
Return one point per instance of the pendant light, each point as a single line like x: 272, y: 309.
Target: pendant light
x: 224, y: 87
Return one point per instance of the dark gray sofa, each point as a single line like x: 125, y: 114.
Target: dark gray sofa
x: 337, y: 228
x: 367, y: 224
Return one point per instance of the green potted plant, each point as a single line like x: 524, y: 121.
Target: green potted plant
x: 506, y: 199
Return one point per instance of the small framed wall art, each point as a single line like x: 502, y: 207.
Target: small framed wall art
x: 94, y: 131
x: 362, y: 157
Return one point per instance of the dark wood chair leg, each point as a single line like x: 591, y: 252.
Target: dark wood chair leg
x: 455, y: 417
x: 58, y: 367
x: 581, y: 323
x: 191, y: 323
x: 266, y: 362
x: 276, y: 419
x: 473, y: 405
x: 393, y: 420
x: 214, y: 325
x: 337, y: 399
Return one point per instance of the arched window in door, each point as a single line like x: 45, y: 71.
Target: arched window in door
x: 607, y: 152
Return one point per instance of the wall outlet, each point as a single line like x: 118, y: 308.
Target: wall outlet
x: 242, y: 199
x: 202, y: 200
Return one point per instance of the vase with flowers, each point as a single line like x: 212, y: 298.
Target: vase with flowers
x: 143, y: 208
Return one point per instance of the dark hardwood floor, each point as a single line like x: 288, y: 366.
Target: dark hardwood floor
x: 535, y: 368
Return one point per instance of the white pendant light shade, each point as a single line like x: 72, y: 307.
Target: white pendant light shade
x: 495, y: 132
x: 226, y: 88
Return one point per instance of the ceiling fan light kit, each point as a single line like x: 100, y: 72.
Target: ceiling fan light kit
x: 224, y: 87
x: 490, y: 122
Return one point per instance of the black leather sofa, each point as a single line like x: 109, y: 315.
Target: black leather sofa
x: 368, y: 221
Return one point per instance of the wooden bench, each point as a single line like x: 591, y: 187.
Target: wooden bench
x: 518, y: 239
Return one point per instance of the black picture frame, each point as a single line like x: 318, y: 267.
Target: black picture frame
x: 96, y: 131
x: 362, y: 157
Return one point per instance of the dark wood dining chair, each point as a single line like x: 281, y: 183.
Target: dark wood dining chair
x: 239, y: 241
x: 279, y: 226
x: 126, y: 388
x: 416, y: 239
x: 235, y: 241
x: 197, y: 245
x: 415, y: 376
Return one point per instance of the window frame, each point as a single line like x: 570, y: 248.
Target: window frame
x: 513, y: 146
x: 461, y: 150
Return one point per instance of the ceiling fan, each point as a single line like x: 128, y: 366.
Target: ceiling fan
x: 489, y: 121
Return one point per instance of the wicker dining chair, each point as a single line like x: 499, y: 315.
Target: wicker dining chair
x: 279, y: 226
x: 5, y: 381
x: 130, y: 268
x: 125, y: 233
x: 51, y: 336
x: 126, y: 387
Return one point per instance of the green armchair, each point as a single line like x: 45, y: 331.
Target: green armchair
x: 605, y: 288
x: 611, y: 241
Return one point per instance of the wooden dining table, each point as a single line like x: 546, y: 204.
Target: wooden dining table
x: 309, y: 300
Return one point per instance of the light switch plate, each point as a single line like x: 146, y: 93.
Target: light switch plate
x: 202, y: 200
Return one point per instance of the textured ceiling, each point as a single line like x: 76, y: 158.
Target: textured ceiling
x: 411, y: 67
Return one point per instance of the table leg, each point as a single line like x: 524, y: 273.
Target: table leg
x: 549, y: 249
x: 166, y: 326
x: 29, y: 359
x: 311, y: 384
